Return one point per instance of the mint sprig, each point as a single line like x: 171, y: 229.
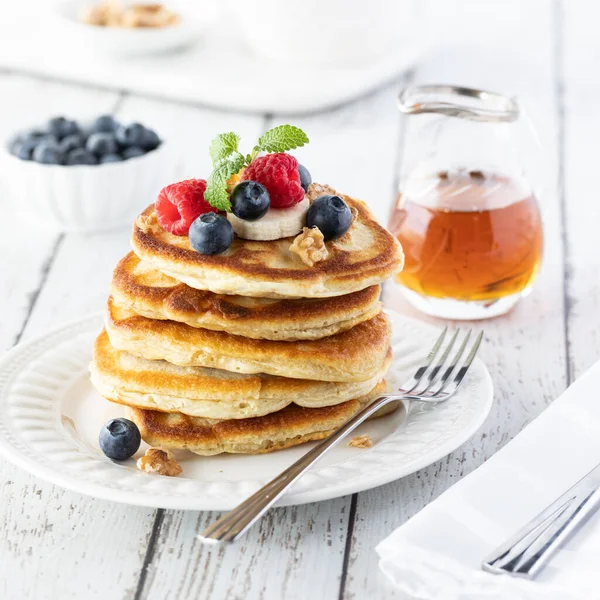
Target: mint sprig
x: 280, y: 139
x: 224, y: 145
x: 216, y: 186
x: 227, y: 160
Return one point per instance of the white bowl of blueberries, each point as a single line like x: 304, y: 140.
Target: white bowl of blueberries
x: 70, y: 176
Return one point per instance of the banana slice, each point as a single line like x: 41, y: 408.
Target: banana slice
x: 276, y: 224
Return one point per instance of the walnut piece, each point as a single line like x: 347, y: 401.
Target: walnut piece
x: 159, y: 462
x: 148, y: 223
x: 112, y: 13
x: 361, y: 441
x: 310, y: 246
x: 147, y: 15
x: 316, y: 190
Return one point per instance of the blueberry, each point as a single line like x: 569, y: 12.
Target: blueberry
x: 211, y: 233
x: 331, y: 215
x: 104, y: 124
x: 75, y: 140
x: 102, y: 143
x: 305, y: 178
x: 48, y: 152
x: 61, y: 127
x: 131, y: 135
x: 110, y: 158
x: 48, y: 137
x: 80, y: 156
x: 120, y: 439
x: 33, y: 134
x: 150, y: 140
x: 23, y: 149
x: 14, y: 144
x: 250, y: 200
x: 132, y: 152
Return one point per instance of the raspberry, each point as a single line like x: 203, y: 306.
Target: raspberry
x: 178, y: 205
x: 279, y: 174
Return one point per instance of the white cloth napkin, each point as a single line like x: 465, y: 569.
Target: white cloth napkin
x: 437, y: 554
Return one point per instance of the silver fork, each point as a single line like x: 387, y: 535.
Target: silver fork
x: 528, y: 551
x: 431, y: 382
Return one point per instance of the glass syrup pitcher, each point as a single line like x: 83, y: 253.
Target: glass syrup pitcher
x: 465, y: 214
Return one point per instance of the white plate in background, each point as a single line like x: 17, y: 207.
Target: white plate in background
x: 220, y: 70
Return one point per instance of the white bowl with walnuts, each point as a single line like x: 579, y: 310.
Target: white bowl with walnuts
x: 129, y: 29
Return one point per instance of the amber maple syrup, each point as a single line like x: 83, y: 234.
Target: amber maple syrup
x: 468, y: 235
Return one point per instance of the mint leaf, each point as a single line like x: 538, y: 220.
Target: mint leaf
x: 223, y: 145
x: 216, y: 186
x: 281, y: 139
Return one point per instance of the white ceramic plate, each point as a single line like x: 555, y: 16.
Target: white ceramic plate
x: 50, y: 416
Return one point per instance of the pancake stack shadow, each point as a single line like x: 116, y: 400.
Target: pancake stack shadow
x: 249, y: 351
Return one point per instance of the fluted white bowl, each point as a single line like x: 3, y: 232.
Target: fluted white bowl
x: 86, y: 197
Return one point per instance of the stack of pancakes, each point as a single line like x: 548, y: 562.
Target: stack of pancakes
x: 251, y: 350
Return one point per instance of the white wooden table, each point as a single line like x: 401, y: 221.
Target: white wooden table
x: 57, y: 544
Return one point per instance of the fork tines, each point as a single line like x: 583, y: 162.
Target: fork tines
x: 437, y: 381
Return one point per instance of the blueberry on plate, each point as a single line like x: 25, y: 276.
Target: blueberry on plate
x: 102, y: 143
x: 131, y: 135
x: 60, y: 127
x: 104, y: 124
x: 47, y: 152
x: 305, y: 178
x: 110, y: 158
x: 120, y: 439
x: 75, y: 140
x: 150, y: 140
x: 210, y: 233
x: 250, y: 200
x: 132, y: 152
x: 331, y: 215
x: 80, y: 156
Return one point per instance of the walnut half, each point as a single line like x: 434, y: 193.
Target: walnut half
x: 159, y: 462
x: 310, y: 246
x: 148, y: 223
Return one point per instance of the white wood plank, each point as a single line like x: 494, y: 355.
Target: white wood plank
x: 581, y: 134
x: 524, y: 351
x: 289, y: 553
x: 55, y: 544
x: 294, y: 551
x: 63, y: 544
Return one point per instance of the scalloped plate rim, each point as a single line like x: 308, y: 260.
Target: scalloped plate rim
x: 219, y: 501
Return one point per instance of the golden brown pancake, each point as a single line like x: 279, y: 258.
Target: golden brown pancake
x: 211, y: 393
x: 366, y: 255
x: 354, y: 355
x: 285, y: 428
x: 141, y: 288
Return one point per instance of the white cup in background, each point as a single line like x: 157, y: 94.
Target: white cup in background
x: 339, y: 33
